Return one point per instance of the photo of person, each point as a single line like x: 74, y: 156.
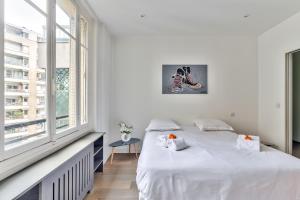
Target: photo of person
x: 184, y: 79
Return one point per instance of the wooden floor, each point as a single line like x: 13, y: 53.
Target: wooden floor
x: 118, y: 180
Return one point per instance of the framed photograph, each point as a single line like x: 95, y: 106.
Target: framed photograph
x: 184, y: 79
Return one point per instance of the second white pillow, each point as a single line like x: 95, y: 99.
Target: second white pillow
x: 162, y: 125
x: 212, y: 125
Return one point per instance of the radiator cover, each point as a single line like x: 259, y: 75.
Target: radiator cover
x: 71, y: 181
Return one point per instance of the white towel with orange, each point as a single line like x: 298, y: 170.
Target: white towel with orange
x: 177, y: 144
x: 172, y: 142
x: 248, y: 142
x: 163, y: 140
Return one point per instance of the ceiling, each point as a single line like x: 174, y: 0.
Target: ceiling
x: 185, y: 17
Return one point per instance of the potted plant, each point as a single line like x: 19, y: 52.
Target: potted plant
x: 125, y: 131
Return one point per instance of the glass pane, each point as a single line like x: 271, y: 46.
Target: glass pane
x: 83, y: 85
x: 25, y: 58
x: 65, y: 81
x: 83, y: 31
x: 42, y: 4
x: 66, y: 16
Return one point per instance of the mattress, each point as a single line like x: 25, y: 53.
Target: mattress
x: 212, y: 168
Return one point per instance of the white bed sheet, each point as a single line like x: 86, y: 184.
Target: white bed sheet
x: 213, y: 169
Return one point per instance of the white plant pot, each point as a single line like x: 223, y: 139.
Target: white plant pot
x: 125, y: 137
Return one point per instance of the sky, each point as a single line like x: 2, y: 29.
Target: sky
x: 20, y: 13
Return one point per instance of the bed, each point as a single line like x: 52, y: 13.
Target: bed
x: 212, y: 168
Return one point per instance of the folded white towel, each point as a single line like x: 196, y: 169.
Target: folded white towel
x: 163, y: 140
x: 252, y: 145
x: 177, y: 144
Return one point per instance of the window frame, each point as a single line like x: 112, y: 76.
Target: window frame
x: 52, y: 136
x: 86, y: 124
x: 37, y: 142
x: 2, y: 103
x: 57, y: 135
x: 86, y: 47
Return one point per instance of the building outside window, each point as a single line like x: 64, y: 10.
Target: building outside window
x: 22, y: 33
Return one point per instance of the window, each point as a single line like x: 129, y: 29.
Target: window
x: 14, y: 31
x: 11, y: 87
x: 13, y: 46
x: 41, y: 100
x: 26, y: 87
x: 34, y: 24
x: 41, y: 76
x: 30, y: 68
x: 14, y: 60
x: 10, y: 101
x: 25, y: 49
x: 66, y: 111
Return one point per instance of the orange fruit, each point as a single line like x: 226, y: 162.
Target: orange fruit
x: 248, y: 137
x: 171, y: 136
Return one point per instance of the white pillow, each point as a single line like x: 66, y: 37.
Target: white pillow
x: 212, y: 125
x: 162, y: 125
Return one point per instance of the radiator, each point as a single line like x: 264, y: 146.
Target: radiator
x: 73, y: 180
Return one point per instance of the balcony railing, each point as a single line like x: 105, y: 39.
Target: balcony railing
x: 16, y: 104
x: 14, y: 117
x: 19, y: 64
x: 16, y: 50
x: 17, y: 77
x: 13, y: 104
x: 14, y: 90
x: 33, y: 122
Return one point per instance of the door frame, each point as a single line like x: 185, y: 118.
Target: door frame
x: 289, y: 101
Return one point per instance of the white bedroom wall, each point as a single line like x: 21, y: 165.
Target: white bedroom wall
x: 137, y: 80
x: 103, y: 81
x: 272, y: 47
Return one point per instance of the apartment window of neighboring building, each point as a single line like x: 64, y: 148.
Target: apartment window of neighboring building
x: 25, y: 75
x: 13, y: 46
x: 26, y: 87
x: 25, y: 101
x: 41, y: 100
x: 15, y: 31
x: 8, y: 74
x: 41, y: 88
x: 41, y: 76
x: 25, y: 49
x: 10, y: 101
x: 25, y: 62
x: 11, y: 87
x: 13, y: 60
x: 45, y: 94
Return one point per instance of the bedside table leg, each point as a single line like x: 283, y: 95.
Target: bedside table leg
x: 136, y: 154
x: 129, y: 148
x: 112, y: 155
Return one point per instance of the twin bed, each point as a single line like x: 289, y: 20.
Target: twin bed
x: 212, y: 168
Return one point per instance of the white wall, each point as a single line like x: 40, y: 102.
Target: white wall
x: 103, y: 81
x: 272, y: 47
x: 137, y: 78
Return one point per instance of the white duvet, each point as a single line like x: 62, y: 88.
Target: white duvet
x: 212, y: 168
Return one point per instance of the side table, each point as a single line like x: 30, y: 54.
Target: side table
x: 132, y: 141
